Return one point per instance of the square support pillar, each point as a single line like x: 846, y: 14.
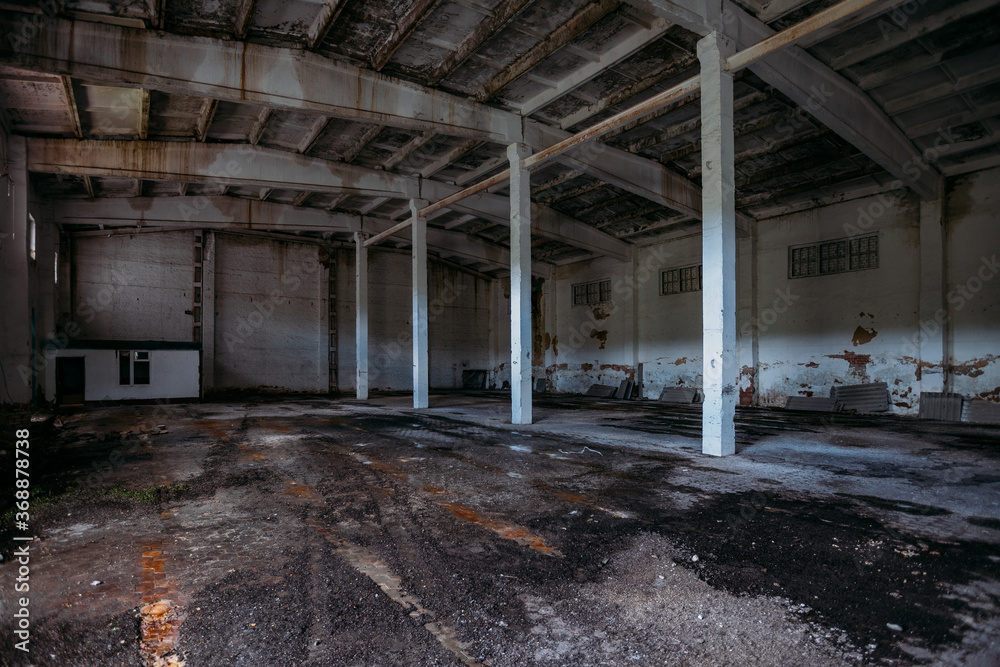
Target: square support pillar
x: 933, y: 311
x: 520, y: 284
x: 361, y: 316
x: 421, y: 384
x: 720, y: 373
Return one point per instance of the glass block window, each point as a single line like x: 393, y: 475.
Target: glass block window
x: 837, y: 256
x: 586, y: 294
x: 684, y: 279
x: 864, y: 253
x: 804, y: 262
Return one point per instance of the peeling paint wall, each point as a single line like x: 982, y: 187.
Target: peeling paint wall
x: 459, y: 307
x: 844, y: 328
x: 800, y: 337
x: 669, y: 325
x: 270, y: 315
x: 593, y: 343
x: 973, y: 282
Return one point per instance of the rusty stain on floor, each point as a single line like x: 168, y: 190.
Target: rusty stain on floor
x: 160, y: 621
x: 508, y: 531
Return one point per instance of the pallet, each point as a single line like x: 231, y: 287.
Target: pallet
x: 679, y: 395
x: 861, y: 398
x: 601, y: 391
x: 624, y: 389
x: 811, y: 404
x: 981, y: 412
x: 940, y: 406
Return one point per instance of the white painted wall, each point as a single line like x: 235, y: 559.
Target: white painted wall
x: 270, y: 315
x: 459, y: 310
x: 973, y: 281
x: 798, y: 336
x: 669, y: 325
x: 801, y: 336
x: 592, y: 344
x: 842, y: 328
x: 172, y: 374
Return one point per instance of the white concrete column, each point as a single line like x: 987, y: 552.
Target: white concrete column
x: 933, y: 311
x: 16, y: 354
x: 361, y: 315
x: 720, y: 374
x: 421, y: 372
x: 207, y: 310
x: 520, y: 285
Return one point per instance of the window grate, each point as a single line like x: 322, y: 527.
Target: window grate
x: 587, y: 294
x: 864, y: 253
x: 683, y: 279
x: 835, y: 256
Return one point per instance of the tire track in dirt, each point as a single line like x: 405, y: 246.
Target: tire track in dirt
x: 368, y: 564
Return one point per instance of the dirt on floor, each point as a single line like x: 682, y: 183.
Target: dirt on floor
x: 310, y: 531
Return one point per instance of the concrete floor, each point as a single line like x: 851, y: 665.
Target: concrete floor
x: 299, y: 530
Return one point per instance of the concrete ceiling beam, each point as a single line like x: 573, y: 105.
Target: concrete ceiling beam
x: 279, y: 78
x: 609, y: 57
x: 410, y: 21
x: 71, y: 107
x: 242, y: 165
x: 244, y: 18
x: 323, y: 22
x: 231, y: 213
x: 555, y: 40
x: 501, y: 15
